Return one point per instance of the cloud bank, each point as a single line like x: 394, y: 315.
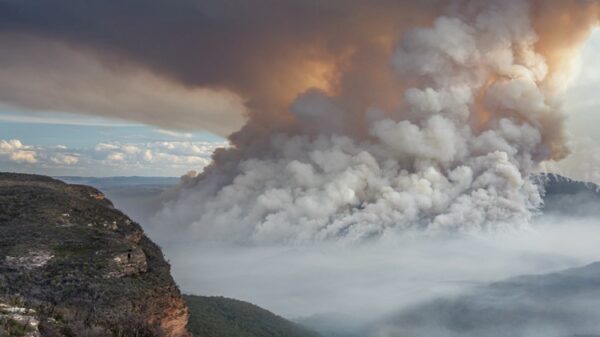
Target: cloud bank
x: 69, y: 79
x: 197, y: 60
x: 114, y: 158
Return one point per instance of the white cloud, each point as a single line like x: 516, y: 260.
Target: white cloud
x: 158, y: 156
x: 130, y: 149
x: 105, y: 147
x: 172, y: 153
x: 164, y: 158
x: 148, y: 155
x: 15, y: 151
x: 175, y: 134
x: 24, y: 156
x: 183, y: 159
x: 64, y: 159
x: 115, y: 156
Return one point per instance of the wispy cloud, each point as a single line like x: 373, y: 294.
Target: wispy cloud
x: 175, y: 134
x: 19, y: 115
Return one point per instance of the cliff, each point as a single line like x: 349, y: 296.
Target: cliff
x: 79, y: 266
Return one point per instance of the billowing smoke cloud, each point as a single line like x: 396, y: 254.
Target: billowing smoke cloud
x: 365, y: 118
x: 266, y: 52
x: 477, y: 108
x: 67, y: 79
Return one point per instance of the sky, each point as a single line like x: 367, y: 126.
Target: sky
x: 62, y: 144
x: 87, y: 109
x: 582, y: 105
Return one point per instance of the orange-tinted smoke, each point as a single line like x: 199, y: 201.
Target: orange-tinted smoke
x: 348, y: 57
x: 562, y: 27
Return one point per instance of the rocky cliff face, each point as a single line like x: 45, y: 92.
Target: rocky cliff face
x: 83, y: 266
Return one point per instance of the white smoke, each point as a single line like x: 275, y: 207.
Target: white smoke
x: 456, y: 155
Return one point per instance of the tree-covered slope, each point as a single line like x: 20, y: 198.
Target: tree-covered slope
x: 224, y: 317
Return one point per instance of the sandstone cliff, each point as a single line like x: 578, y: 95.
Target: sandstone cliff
x: 84, y: 267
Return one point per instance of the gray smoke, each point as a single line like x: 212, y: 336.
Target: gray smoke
x: 456, y: 154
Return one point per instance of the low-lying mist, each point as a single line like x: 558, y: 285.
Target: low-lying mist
x: 371, y: 279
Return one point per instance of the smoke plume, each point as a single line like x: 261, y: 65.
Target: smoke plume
x: 196, y: 54
x: 471, y: 106
x: 363, y: 118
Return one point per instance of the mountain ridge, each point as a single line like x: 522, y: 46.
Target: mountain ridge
x: 559, y: 304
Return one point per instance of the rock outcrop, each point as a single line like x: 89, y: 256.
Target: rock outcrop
x: 82, y: 265
x: 18, y: 321
x: 130, y: 263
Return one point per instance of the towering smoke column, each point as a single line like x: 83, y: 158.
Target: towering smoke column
x: 477, y: 109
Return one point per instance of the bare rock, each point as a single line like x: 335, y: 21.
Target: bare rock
x: 27, y: 318
x: 132, y: 262
x: 31, y: 260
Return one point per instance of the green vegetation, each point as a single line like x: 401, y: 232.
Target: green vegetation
x: 223, y: 317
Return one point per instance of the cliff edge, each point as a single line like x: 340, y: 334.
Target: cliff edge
x: 76, y: 266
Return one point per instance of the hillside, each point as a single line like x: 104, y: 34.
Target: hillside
x: 224, y: 317
x: 571, y: 198
x: 79, y: 266
x: 561, y: 304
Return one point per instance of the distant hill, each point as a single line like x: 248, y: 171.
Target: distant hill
x: 567, y: 197
x: 562, y: 304
x: 80, y: 267
x: 119, y: 181
x: 224, y: 317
